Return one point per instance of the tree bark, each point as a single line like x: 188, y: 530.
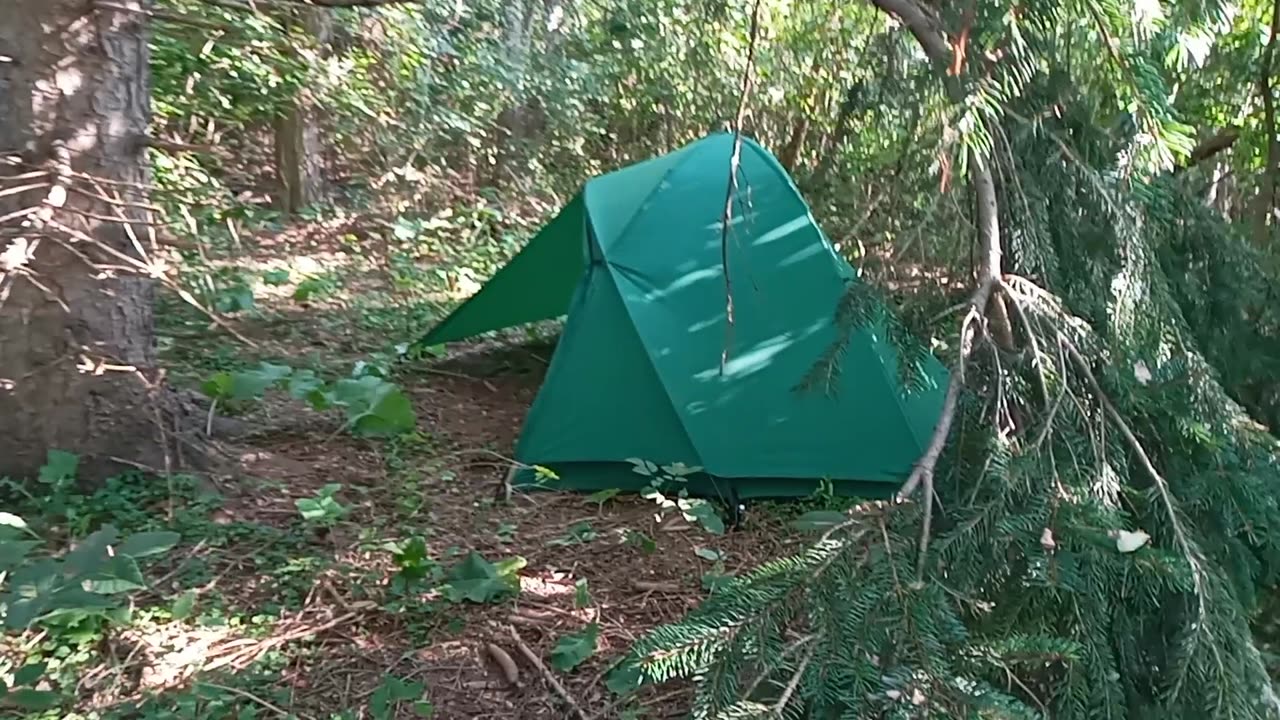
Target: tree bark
x: 299, y: 144
x: 77, y: 342
x: 517, y: 121
x: 1269, y: 185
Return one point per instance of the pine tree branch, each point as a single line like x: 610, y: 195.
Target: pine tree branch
x: 928, y: 31
x: 1162, y: 487
x: 794, y: 683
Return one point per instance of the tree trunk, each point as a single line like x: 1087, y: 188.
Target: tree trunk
x: 77, y: 343
x: 833, y: 142
x: 795, y: 143
x: 299, y: 146
x: 515, y: 121
x: 1269, y: 184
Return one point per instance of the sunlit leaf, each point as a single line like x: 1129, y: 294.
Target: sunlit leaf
x: 477, y: 580
x: 144, y: 544
x: 573, y: 649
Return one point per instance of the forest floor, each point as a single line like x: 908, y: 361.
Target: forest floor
x: 261, y: 612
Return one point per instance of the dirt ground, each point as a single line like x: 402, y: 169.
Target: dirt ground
x: 343, y: 641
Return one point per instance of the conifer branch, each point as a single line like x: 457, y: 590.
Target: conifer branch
x: 933, y: 40
x: 1189, y: 551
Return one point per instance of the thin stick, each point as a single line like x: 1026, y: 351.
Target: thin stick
x: 24, y: 188
x: 735, y: 161
x: 793, y: 684
x: 533, y: 658
x: 250, y: 696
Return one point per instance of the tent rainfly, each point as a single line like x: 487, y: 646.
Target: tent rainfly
x: 648, y: 368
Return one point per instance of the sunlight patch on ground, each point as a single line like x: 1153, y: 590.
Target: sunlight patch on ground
x: 547, y: 585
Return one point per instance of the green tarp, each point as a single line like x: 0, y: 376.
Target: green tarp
x: 635, y: 262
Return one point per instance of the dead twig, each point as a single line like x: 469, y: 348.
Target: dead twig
x: 254, y: 698
x: 794, y: 683
x: 650, y: 586
x: 242, y: 658
x: 533, y: 659
x: 735, y: 161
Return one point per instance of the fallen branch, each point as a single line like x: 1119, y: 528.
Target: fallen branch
x: 533, y: 658
x: 794, y: 683
x: 1162, y: 486
x: 163, y: 16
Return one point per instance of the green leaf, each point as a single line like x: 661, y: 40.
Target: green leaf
x: 91, y: 553
x: 249, y: 384
x: 647, y: 544
x: 600, y: 497
x: 679, y: 469
x: 59, y: 465
x: 707, y: 554
x: 145, y: 544
x: 29, y: 699
x: 424, y: 709
x: 818, y: 520
x: 385, y: 411
x: 304, y: 384
x: 375, y: 407
x: 573, y: 649
x: 29, y: 674
x: 642, y: 467
x: 624, y: 679
x: 185, y: 605
x: 704, y: 513
x: 22, y: 614
x: 279, y: 276
x: 320, y: 508
x: 477, y: 580
x: 14, y: 552
x: 121, y: 574
x: 218, y: 386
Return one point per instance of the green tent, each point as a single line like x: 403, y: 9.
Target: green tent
x: 635, y: 262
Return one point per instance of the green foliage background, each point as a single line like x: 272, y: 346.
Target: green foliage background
x: 457, y: 127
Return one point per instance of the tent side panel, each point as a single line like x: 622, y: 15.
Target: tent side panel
x: 747, y: 419
x: 537, y: 284
x: 601, y: 400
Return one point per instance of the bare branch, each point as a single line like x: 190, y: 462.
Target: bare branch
x: 20, y: 213
x: 24, y: 188
x: 923, y: 25
x: 251, y: 5
x: 1210, y: 146
x: 735, y: 161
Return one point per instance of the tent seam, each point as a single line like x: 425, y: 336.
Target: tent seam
x: 662, y: 380
x: 626, y: 227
